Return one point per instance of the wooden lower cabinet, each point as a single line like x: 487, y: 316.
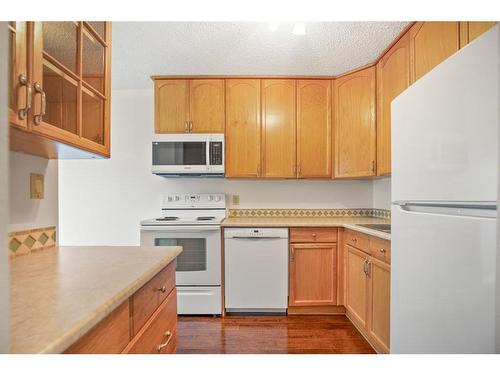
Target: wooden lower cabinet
x: 158, y: 335
x: 313, y: 276
x: 145, y: 323
x: 110, y: 336
x: 379, y: 301
x: 356, y: 298
x: 367, y: 291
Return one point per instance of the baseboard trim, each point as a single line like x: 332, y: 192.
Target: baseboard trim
x: 316, y: 310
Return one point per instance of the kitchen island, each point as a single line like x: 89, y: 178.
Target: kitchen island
x: 59, y: 295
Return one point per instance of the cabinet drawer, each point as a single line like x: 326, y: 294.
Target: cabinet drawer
x: 147, y: 299
x: 313, y: 235
x: 357, y: 240
x: 380, y: 249
x: 109, y: 336
x: 158, y: 335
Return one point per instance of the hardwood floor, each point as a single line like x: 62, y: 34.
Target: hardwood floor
x: 333, y: 334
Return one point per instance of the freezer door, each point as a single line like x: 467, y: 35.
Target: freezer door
x: 442, y: 282
x: 445, y: 128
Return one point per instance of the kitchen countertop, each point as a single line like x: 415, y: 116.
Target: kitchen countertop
x: 340, y: 221
x: 59, y: 294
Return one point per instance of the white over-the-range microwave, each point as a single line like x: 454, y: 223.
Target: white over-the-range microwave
x: 188, y: 155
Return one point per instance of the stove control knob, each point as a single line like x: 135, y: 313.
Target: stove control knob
x: 217, y: 198
x: 177, y: 198
x: 169, y: 198
x: 210, y: 198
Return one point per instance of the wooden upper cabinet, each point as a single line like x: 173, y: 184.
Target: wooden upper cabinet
x: 356, y: 298
x: 314, y: 109
x: 379, y: 279
x: 206, y: 105
x: 354, y: 112
x: 393, y: 77
x: 19, y: 94
x: 278, y: 128
x: 313, y: 274
x: 430, y: 44
x: 69, y: 75
x: 471, y: 30
x: 189, y: 106
x: 243, y: 127
x: 172, y: 106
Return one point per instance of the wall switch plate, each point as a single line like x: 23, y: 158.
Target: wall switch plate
x: 36, y: 186
x: 236, y: 199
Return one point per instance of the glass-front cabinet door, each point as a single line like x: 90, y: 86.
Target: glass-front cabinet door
x: 71, y: 83
x: 20, y: 89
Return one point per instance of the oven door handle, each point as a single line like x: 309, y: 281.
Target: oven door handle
x: 180, y: 228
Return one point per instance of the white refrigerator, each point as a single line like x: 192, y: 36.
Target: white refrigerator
x: 445, y: 135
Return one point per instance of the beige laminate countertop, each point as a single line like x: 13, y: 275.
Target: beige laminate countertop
x: 59, y: 294
x: 345, y: 222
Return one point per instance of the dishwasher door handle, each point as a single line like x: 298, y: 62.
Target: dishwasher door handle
x: 255, y: 238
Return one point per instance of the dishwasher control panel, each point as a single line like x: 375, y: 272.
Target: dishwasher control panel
x: 256, y: 233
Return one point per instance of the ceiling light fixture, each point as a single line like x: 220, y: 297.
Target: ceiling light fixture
x: 299, y: 28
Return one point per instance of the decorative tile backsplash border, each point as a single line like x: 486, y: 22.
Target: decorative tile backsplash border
x: 306, y: 212
x: 26, y: 241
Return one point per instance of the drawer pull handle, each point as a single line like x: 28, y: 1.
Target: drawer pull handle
x: 168, y: 337
x: 382, y: 250
x: 163, y: 289
x: 354, y: 240
x: 314, y: 235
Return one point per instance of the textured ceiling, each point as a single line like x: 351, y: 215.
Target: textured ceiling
x: 142, y: 49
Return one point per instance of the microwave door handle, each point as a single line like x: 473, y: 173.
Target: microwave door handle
x: 208, y: 154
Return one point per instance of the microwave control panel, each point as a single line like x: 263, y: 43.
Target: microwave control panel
x: 216, y: 153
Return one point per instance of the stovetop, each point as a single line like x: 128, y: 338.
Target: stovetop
x: 190, y: 209
x: 172, y: 220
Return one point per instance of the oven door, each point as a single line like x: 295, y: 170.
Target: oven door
x: 200, y: 261
x: 179, y: 153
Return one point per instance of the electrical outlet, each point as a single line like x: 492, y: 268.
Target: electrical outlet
x: 236, y: 199
x: 36, y: 186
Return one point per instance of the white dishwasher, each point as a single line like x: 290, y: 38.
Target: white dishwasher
x: 256, y: 269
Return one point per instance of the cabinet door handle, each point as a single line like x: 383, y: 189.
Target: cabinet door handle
x: 314, y: 235
x: 365, y: 267
x: 373, y: 166
x: 163, y: 289
x: 292, y: 254
x: 258, y: 169
x: 168, y: 337
x: 186, y: 127
x: 368, y: 266
x: 38, y: 90
x: 354, y: 239
x: 190, y: 126
x: 23, y: 112
x: 382, y: 250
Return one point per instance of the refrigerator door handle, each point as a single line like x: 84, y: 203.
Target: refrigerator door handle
x: 470, y: 209
x: 450, y: 204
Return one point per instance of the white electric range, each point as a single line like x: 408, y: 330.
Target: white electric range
x: 193, y: 222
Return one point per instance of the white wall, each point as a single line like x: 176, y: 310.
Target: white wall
x: 497, y: 320
x: 27, y: 213
x: 382, y: 193
x: 102, y: 201
x: 4, y: 284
